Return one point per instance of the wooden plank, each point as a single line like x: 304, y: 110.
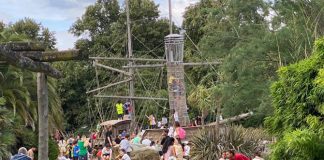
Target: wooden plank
x: 128, y: 59
x: 111, y: 68
x: 162, y: 65
x: 201, y: 63
x: 109, y: 85
x: 128, y: 97
x: 20, y: 61
x: 24, y: 46
x: 51, y: 56
x: 145, y: 66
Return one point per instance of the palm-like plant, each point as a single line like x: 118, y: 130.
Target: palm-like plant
x: 7, y: 138
x: 211, y: 142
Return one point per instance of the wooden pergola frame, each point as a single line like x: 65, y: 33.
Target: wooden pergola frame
x: 33, y: 57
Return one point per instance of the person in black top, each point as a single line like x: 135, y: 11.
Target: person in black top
x: 164, y: 136
x: 108, y: 134
x: 118, y: 139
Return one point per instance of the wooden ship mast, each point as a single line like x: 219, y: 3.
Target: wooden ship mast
x: 174, y: 51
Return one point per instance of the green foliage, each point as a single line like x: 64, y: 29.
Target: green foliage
x: 243, y: 140
x: 7, y: 138
x: 104, y: 23
x: 53, y: 149
x: 253, y: 43
x: 298, y: 103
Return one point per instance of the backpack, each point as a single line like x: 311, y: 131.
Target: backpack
x: 182, y: 133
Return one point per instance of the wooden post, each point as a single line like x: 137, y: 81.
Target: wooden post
x: 42, y: 96
x: 130, y: 63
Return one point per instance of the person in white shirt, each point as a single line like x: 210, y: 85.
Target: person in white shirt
x: 146, y: 142
x: 124, y: 155
x: 175, y: 115
x: 125, y: 144
x: 186, y: 154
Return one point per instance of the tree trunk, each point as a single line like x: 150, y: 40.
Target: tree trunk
x: 42, y: 95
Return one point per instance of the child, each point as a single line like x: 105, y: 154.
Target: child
x: 186, y: 150
x: 106, y: 152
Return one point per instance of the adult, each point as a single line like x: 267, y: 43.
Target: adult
x: 70, y: 140
x: 178, y: 149
x: 127, y: 107
x: 21, y: 155
x: 198, y: 121
x: 62, y: 145
x: 124, y: 155
x: 75, y: 150
x: 118, y: 139
x: 231, y: 155
x: 168, y: 149
x: 120, y: 110
x: 223, y: 156
x: 257, y: 156
x: 152, y: 121
x: 164, y: 136
x: 108, y: 134
x: 164, y: 121
x: 124, y: 144
x: 175, y: 115
x: 83, y: 152
x: 136, y: 139
x: 31, y: 152
x: 179, y: 132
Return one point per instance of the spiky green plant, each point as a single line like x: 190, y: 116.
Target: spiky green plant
x: 7, y: 138
x: 209, y: 143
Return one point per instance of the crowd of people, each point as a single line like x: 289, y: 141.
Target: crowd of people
x: 83, y: 148
x: 172, y: 144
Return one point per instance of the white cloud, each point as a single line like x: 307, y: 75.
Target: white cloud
x: 65, y: 40
x: 178, y: 9
x: 45, y: 9
x: 59, y: 15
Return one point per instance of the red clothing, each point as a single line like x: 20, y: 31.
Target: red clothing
x: 239, y: 156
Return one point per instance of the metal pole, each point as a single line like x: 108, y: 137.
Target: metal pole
x: 170, y: 16
x: 130, y: 63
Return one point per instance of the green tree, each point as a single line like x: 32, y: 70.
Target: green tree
x: 298, y: 108
x: 104, y: 23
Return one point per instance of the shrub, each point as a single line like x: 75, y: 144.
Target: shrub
x: 209, y: 143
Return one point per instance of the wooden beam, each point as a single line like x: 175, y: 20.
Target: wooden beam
x: 128, y: 59
x: 24, y: 46
x: 20, y: 61
x: 145, y: 66
x: 109, y: 85
x: 51, y: 56
x: 201, y: 63
x: 162, y: 65
x: 128, y: 97
x: 111, y: 68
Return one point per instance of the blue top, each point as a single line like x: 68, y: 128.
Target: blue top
x: 20, y: 157
x: 76, y: 150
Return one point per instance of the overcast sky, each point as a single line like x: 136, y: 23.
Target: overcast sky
x: 58, y: 15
